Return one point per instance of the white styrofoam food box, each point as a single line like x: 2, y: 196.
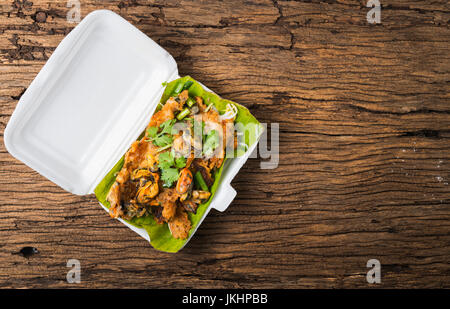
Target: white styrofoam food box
x: 91, y: 100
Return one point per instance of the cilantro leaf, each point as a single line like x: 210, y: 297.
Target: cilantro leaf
x: 166, y: 126
x: 180, y: 162
x: 169, y: 176
x: 211, y: 142
x: 152, y: 132
x: 165, y: 160
x: 163, y: 140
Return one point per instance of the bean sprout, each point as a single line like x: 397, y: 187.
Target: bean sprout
x: 230, y: 112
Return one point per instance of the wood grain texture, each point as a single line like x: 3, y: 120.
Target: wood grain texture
x: 364, y: 113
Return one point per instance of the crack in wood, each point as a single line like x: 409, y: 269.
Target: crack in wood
x: 279, y: 22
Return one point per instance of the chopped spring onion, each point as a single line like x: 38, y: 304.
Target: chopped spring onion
x: 178, y: 88
x: 190, y: 102
x: 188, y: 85
x: 200, y: 181
x: 183, y: 113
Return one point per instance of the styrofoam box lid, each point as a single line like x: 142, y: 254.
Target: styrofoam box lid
x: 90, y: 101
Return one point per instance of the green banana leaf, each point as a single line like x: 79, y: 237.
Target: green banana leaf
x: 160, y: 236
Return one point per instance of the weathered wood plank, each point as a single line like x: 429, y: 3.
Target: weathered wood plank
x: 364, y: 148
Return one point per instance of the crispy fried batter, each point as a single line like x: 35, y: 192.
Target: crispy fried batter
x: 215, y: 162
x: 114, y: 200
x: 157, y: 214
x: 167, y: 198
x: 167, y: 111
x: 180, y: 225
x: 133, y: 158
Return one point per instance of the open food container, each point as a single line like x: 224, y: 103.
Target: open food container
x: 91, y: 100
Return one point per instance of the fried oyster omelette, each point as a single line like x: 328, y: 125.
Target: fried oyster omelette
x: 168, y: 172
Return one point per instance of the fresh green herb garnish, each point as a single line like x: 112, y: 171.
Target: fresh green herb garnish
x: 163, y: 140
x: 152, y: 132
x: 165, y: 160
x: 180, y: 162
x: 164, y: 137
x: 169, y: 176
x: 164, y: 148
x: 169, y: 167
x: 211, y: 142
x: 166, y: 126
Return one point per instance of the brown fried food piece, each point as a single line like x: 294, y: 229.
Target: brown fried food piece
x: 189, y: 206
x: 183, y: 96
x: 157, y: 214
x: 169, y: 109
x: 113, y: 197
x: 122, y: 195
x: 200, y: 103
x: 215, y: 162
x: 167, y: 112
x: 199, y: 196
x: 148, y: 186
x: 133, y: 158
x: 180, y: 225
x: 169, y: 210
x: 202, y: 166
x: 166, y: 199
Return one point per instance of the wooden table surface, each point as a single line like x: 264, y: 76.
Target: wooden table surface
x: 364, y: 167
